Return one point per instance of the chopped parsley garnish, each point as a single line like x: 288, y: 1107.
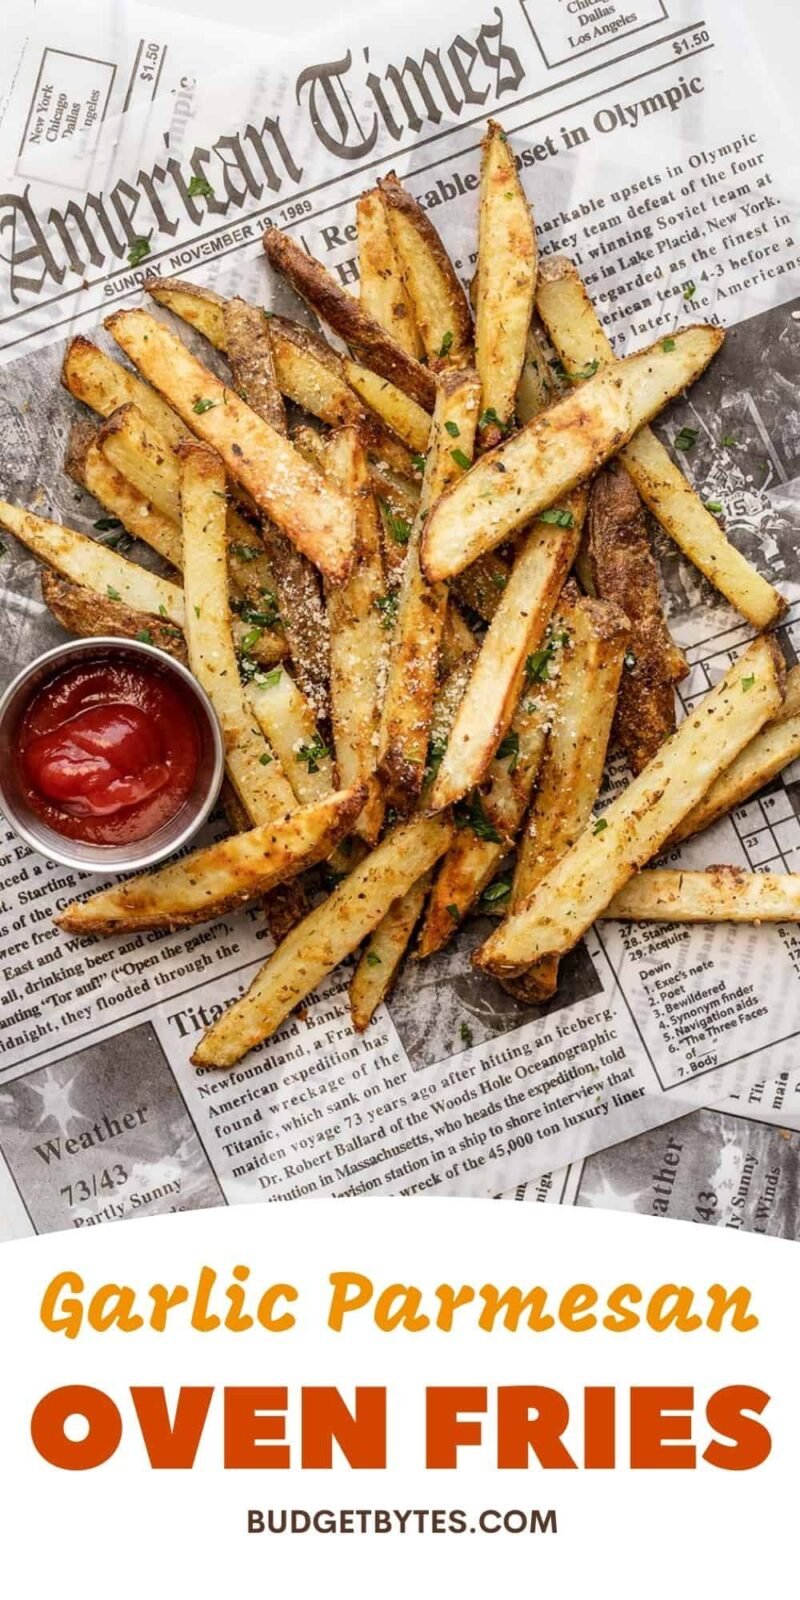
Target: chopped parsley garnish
x: 446, y: 344
x: 471, y: 814
x: 584, y: 372
x: 466, y: 1034
x: 689, y: 290
x: 436, y: 750
x: 747, y: 683
x: 264, y: 616
x: 313, y: 753
x: 600, y: 825
x: 499, y: 580
x: 373, y: 959
x: 197, y: 611
x: 113, y: 594
x: 418, y: 463
x: 144, y: 636
x: 201, y: 406
x: 461, y: 460
x: 497, y: 892
x: 559, y: 516
x: 686, y: 438
x: 162, y: 611
x: 667, y: 345
x: 200, y: 186
x: 728, y: 440
x: 245, y: 552
x: 490, y: 416
x: 265, y: 760
x: 398, y: 528
x: 453, y: 429
x: 138, y: 250
x: 387, y: 606
x: 250, y: 639
x: 714, y: 506
x: 251, y: 672
x: 629, y: 660
x: 537, y: 664
x: 453, y: 911
x: 509, y: 748
x: 106, y: 524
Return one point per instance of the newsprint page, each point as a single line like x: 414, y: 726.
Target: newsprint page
x: 656, y: 152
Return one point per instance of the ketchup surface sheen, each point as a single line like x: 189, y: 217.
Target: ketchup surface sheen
x: 108, y: 751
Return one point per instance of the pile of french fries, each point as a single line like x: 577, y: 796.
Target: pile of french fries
x: 413, y: 573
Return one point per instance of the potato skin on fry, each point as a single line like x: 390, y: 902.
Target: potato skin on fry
x: 506, y: 280
x: 623, y: 569
x: 440, y: 305
x: 90, y: 615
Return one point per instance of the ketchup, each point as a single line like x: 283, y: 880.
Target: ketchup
x: 108, y: 751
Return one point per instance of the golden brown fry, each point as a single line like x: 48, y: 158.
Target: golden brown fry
x: 468, y: 867
x: 382, y: 290
x: 87, y: 562
x: 222, y: 878
x: 103, y: 385
x: 356, y: 611
x: 89, y: 615
x: 536, y: 387
x: 285, y: 488
x: 772, y: 749
x: 286, y: 719
x: 88, y: 466
x: 507, y: 261
x: 367, y: 340
x: 325, y: 938
x: 623, y: 569
x: 532, y: 471
x: 411, y: 683
x: 578, y: 336
x: 380, y: 959
x: 482, y: 585
x: 636, y: 824
x: 440, y: 305
x: 401, y: 414
x: 537, y: 578
x: 720, y: 894
x: 458, y: 640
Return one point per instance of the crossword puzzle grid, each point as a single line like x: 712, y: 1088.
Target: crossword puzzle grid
x: 768, y: 826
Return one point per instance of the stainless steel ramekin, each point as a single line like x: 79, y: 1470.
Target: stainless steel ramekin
x: 96, y: 858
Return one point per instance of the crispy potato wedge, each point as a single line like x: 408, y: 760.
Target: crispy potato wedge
x: 222, y: 878
x: 623, y: 569
x: 86, y: 465
x: 356, y: 611
x: 571, y: 772
x: 468, y: 867
x: 87, y: 562
x: 413, y: 665
x: 636, y: 824
x: 558, y: 450
x: 365, y: 338
x: 286, y: 719
x: 507, y: 262
x: 537, y: 386
x: 251, y: 765
x: 481, y: 585
x: 401, y: 414
x: 102, y: 384
x: 305, y: 621
x: 720, y: 894
x: 382, y: 290
x: 90, y: 615
x: 330, y: 933
x: 441, y: 309
x: 576, y: 332
x: 772, y: 749
x: 458, y: 640
x: 309, y: 371
x: 380, y: 959
x: 315, y: 516
x: 516, y: 630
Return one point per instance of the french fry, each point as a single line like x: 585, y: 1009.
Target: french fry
x: 532, y: 471
x: 401, y: 414
x: 536, y: 580
x: 507, y: 262
x: 536, y: 387
x: 249, y: 347
x: 576, y: 332
x: 286, y: 719
x: 358, y: 638
x: 220, y: 879
x: 772, y: 749
x: 309, y: 371
x: 482, y: 584
x: 720, y: 894
x: 86, y: 465
x: 382, y: 291
x: 623, y: 569
x: 380, y: 959
x: 326, y: 937
x: 411, y: 682
x: 102, y: 384
x: 458, y: 640
x: 440, y: 305
x: 469, y: 865
x: 251, y: 766
x: 365, y: 338
x: 82, y: 611
x: 284, y: 487
x: 87, y: 562
x: 584, y: 700
x: 637, y: 823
